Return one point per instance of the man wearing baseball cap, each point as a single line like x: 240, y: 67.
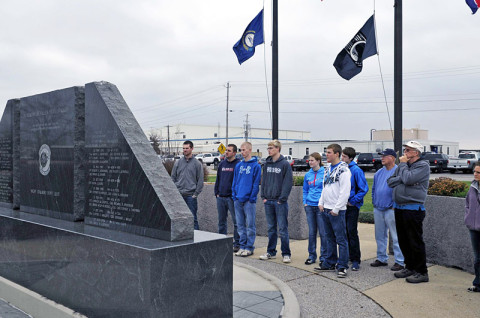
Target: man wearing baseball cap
x: 384, y: 214
x: 410, y: 185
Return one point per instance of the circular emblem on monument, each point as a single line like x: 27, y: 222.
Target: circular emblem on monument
x: 44, y: 159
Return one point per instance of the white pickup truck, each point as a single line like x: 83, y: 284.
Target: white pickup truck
x: 209, y: 158
x: 464, y: 162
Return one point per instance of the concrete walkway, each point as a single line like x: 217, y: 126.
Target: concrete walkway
x: 370, y: 292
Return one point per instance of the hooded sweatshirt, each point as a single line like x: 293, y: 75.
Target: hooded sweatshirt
x: 472, y: 208
x: 336, y: 187
x: 246, y: 181
x: 277, y: 179
x: 312, y: 186
x: 359, y: 186
x: 225, y: 171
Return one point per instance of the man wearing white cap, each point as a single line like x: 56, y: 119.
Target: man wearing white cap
x: 410, y: 185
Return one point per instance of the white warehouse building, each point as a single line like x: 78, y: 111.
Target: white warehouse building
x: 294, y: 142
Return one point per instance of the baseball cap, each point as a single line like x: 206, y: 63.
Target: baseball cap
x: 388, y: 152
x: 415, y: 145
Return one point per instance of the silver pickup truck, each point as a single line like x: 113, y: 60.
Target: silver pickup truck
x: 464, y: 162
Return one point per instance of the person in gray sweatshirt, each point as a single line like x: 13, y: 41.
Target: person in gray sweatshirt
x: 277, y: 182
x: 187, y: 174
x: 410, y: 185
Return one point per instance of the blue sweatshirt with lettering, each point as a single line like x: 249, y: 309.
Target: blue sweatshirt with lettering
x: 246, y: 181
x: 313, y: 186
x: 359, y: 187
x: 225, y: 171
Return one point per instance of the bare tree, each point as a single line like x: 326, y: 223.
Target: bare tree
x: 156, y: 142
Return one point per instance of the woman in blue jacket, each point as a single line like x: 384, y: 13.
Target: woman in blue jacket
x: 312, y: 190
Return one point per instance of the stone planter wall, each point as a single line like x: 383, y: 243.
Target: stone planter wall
x: 446, y: 238
x: 297, y: 221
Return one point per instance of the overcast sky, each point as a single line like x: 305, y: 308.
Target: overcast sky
x: 172, y: 59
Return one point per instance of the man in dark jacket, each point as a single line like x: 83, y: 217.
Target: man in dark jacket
x: 410, y: 185
x: 277, y: 182
x: 223, y: 192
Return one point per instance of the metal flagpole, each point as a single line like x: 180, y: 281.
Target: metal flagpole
x: 397, y: 79
x: 275, y: 71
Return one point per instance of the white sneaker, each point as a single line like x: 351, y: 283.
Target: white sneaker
x: 267, y: 256
x: 287, y: 259
x: 246, y: 253
x: 239, y: 253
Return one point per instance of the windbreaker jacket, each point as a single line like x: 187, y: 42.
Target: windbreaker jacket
x: 472, y: 208
x: 359, y: 185
x: 336, y: 188
x: 312, y: 186
x: 246, y: 181
x: 277, y: 179
x: 410, y: 182
x: 225, y: 172
x: 188, y: 176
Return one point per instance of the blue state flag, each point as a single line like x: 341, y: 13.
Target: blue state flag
x: 473, y: 4
x: 349, y: 61
x: 253, y: 36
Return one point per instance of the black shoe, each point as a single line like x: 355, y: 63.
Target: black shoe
x: 236, y: 249
x: 342, y: 273
x: 324, y: 268
x: 309, y: 261
x: 397, y: 267
x: 404, y: 273
x: 377, y: 263
x: 473, y: 289
x: 417, y: 278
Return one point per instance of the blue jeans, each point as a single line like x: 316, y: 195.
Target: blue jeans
x: 315, y: 225
x: 193, y: 206
x: 475, y: 236
x: 336, y: 232
x: 224, y: 204
x: 351, y: 219
x: 384, y: 223
x: 245, y: 214
x: 277, y: 213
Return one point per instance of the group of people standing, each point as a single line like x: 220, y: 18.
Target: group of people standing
x: 332, y: 199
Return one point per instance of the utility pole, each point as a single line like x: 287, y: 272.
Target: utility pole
x: 247, y: 128
x: 275, y: 71
x: 226, y: 128
x: 168, y: 138
x: 397, y: 79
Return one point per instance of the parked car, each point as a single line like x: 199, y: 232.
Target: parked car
x: 289, y: 159
x: 438, y: 161
x: 464, y: 162
x: 301, y: 164
x: 369, y: 160
x: 209, y: 158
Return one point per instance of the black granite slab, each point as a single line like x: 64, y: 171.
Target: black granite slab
x: 6, y: 156
x: 49, y: 131
x: 128, y: 189
x: 103, y: 273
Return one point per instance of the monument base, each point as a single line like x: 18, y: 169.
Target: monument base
x: 104, y: 273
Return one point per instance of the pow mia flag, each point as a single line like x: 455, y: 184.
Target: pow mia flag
x: 349, y: 61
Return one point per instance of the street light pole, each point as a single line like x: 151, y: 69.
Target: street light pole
x: 397, y: 78
x: 226, y: 128
x: 275, y: 71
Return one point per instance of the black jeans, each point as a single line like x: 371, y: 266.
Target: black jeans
x: 410, y: 238
x: 351, y: 220
x: 475, y: 236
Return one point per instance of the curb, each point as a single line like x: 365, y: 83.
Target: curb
x: 291, y: 308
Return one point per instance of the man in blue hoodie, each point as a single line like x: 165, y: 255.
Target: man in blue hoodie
x: 245, y: 187
x: 277, y: 182
x: 358, y: 190
x: 223, y: 192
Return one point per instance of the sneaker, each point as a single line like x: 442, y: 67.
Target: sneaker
x: 287, y: 259
x: 239, y: 252
x: 377, y: 263
x: 473, y: 289
x: 309, y: 261
x: 267, y: 256
x: 396, y: 267
x: 246, y: 253
x: 324, y: 268
x: 342, y: 273
x: 236, y: 249
x: 355, y: 266
x: 404, y: 273
x: 417, y: 278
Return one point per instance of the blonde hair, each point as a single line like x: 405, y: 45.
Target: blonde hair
x: 249, y: 144
x: 276, y: 143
